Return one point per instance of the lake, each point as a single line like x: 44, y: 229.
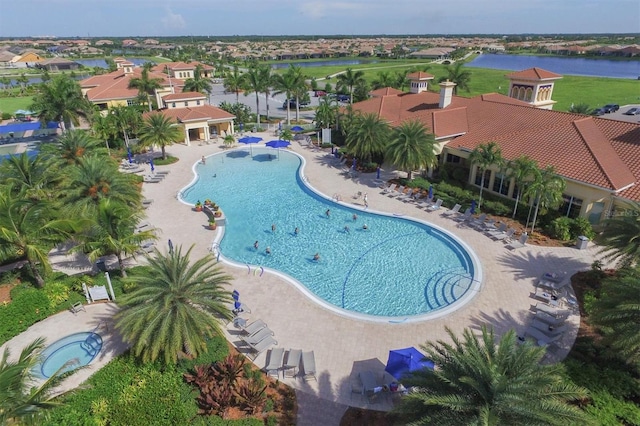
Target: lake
x: 322, y: 63
x: 103, y: 64
x: 565, y: 66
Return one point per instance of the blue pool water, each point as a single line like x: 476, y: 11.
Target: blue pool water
x: 76, y: 349
x: 395, y: 268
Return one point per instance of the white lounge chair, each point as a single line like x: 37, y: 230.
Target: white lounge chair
x: 496, y: 231
x: 549, y: 329
x: 478, y: 221
x: 546, y: 297
x: 258, y: 336
x: 463, y: 217
x: 452, y: 211
x: 435, y: 206
x: 262, y: 346
x: 550, y: 319
x: 540, y: 337
x: 309, y: 365
x: 518, y: 244
x: 77, y: 307
x: 397, y: 192
x: 390, y: 188
x: 553, y: 281
x: 406, y: 196
x: 252, y: 328
x: 274, y: 365
x: 550, y: 310
x: 505, y: 235
x: 292, y: 364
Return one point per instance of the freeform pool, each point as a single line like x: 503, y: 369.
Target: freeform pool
x: 395, y: 269
x: 77, y: 350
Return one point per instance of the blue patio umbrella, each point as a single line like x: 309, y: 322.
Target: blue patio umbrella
x: 129, y: 156
x: 407, y: 360
x: 249, y: 140
x: 430, y: 196
x: 152, y: 165
x: 297, y: 129
x: 280, y: 126
x: 378, y: 173
x: 278, y: 143
x: 473, y: 206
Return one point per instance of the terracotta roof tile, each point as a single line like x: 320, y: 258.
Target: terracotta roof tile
x: 420, y: 75
x: 115, y: 85
x: 385, y: 91
x: 183, y: 96
x: 534, y: 73
x: 199, y: 113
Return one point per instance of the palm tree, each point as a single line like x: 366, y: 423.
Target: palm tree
x: 286, y: 83
x: 127, y: 119
x: 401, y: 81
x: 384, y: 79
x: 411, y: 147
x: 580, y: 109
x: 521, y: 170
x: 146, y: 85
x: 104, y: 128
x: 350, y: 79
x: 234, y: 82
x: 620, y: 236
x: 479, y: 382
x: 198, y: 83
x: 61, y: 100
x: 20, y: 401
x: 368, y: 136
x: 458, y: 76
x: 73, y: 146
x: 253, y: 80
x: 617, y: 312
x: 32, y: 177
x: 176, y: 306
x: 267, y: 78
x: 30, y: 229
x: 546, y: 191
x: 301, y: 88
x: 326, y: 113
x: 484, y: 156
x: 159, y: 130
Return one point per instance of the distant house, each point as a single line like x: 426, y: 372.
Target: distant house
x: 183, y: 70
x: 58, y: 64
x: 29, y: 57
x: 433, y: 53
x: 7, y: 59
x: 128, y: 43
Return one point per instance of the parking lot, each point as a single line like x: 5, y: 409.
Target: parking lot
x: 619, y: 114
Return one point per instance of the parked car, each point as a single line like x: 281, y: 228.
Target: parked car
x: 632, y: 111
x: 343, y: 98
x: 292, y: 104
x: 611, y: 108
x: 319, y: 93
x: 598, y: 111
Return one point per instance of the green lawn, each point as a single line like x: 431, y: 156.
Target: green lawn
x: 13, y: 104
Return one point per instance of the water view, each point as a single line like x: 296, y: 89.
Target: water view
x: 565, y: 66
x: 103, y: 63
x: 345, y: 62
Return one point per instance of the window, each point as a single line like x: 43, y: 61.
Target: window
x: 487, y: 178
x: 453, y: 159
x: 571, y: 206
x: 501, y: 184
x: 131, y: 102
x: 186, y: 104
x: 173, y: 104
x: 197, y: 102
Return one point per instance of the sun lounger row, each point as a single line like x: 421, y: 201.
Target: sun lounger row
x: 295, y: 363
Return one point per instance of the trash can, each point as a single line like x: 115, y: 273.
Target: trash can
x: 101, y: 266
x: 582, y: 242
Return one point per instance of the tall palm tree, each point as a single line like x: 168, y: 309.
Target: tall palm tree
x: 459, y: 76
x: 159, y: 130
x: 73, y: 146
x: 146, y: 85
x: 128, y: 119
x: 411, y: 147
x: 113, y: 232
x: 104, y: 128
x: 401, y: 81
x: 620, y: 237
x: 479, y: 382
x: 234, y: 82
x: 485, y: 156
x: 30, y: 229
x: 617, y: 311
x: 33, y: 177
x: 326, y: 113
x: 368, y: 136
x: 301, y: 88
x: 545, y: 190
x: 521, y: 170
x: 286, y: 83
x: 267, y: 78
x: 254, y: 82
x: 350, y: 79
x: 61, y: 100
x: 176, y: 306
x: 198, y: 83
x: 20, y: 401
x: 383, y: 79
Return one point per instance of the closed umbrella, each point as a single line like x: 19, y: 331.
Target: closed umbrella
x: 378, y: 173
x: 153, y: 168
x: 129, y: 156
x: 430, y: 196
x: 473, y: 207
x: 353, y: 165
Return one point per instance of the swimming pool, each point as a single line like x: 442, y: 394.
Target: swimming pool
x: 395, y: 269
x: 75, y: 350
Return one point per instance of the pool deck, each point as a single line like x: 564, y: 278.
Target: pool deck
x: 343, y: 346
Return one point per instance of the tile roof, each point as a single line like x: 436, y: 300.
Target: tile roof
x: 115, y: 85
x: 183, y: 96
x: 199, y: 113
x: 385, y: 91
x: 534, y: 73
x: 597, y: 151
x: 420, y: 75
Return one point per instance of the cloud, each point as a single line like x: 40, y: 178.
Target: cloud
x: 173, y: 21
x: 322, y: 9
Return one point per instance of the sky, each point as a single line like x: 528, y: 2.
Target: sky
x: 122, y: 18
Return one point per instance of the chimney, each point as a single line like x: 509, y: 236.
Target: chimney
x: 446, y: 92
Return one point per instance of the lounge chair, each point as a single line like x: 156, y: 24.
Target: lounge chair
x: 546, y: 297
x: 406, y: 196
x: 435, y: 206
x: 518, y: 244
x: 505, y: 235
x: 257, y: 336
x: 540, y: 337
x: 478, y: 221
x: 550, y: 310
x: 274, y: 365
x: 77, y: 307
x: 489, y: 224
x: 550, y: 319
x: 463, y: 217
x: 151, y: 179
x: 390, y: 188
x: 553, y: 281
x: 292, y: 364
x: 549, y: 329
x: 417, y: 196
x: 309, y: 365
x: 397, y: 192
x: 496, y: 231
x: 253, y: 328
x: 452, y: 211
x: 262, y: 346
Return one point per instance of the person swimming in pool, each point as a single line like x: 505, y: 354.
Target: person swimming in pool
x: 316, y: 257
x: 355, y: 217
x: 296, y: 231
x: 346, y: 229
x: 255, y: 245
x: 273, y: 228
x: 328, y: 213
x: 268, y: 250
x: 365, y: 226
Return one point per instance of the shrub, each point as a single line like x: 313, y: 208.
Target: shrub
x: 57, y: 293
x: 496, y: 207
x: 28, y: 306
x: 460, y: 174
x: 6, y: 116
x: 560, y: 228
x: 581, y: 226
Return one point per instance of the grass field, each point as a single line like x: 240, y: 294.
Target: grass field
x: 13, y: 104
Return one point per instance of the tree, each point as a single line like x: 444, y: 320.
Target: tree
x: 367, y: 136
x: 146, y: 85
x: 286, y: 83
x: 479, y: 382
x: 234, y: 82
x: 350, y: 79
x: 159, y: 130
x: 20, y: 401
x: 411, y: 147
x: 175, y: 307
x: 73, y: 146
x: 30, y: 229
x: 22, y: 80
x: 61, y: 100
x: 580, y: 108
x: 617, y: 313
x: 128, y: 119
x: 6, y: 82
x: 401, y: 81
x: 104, y: 127
x: 521, y: 170
x: 620, y: 235
x: 198, y: 83
x: 546, y: 191
x: 31, y: 177
x: 267, y: 77
x: 383, y: 79
x: 485, y: 156
x: 326, y: 113
x: 459, y: 76
x: 253, y: 80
